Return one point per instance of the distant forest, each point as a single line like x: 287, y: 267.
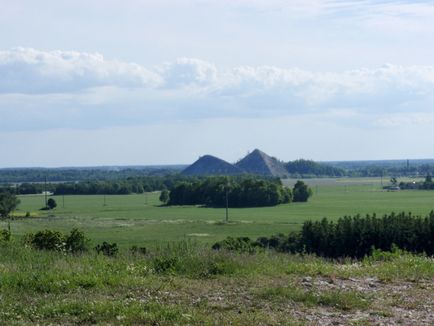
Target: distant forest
x: 20, y: 175
x: 297, y: 169
x: 101, y: 187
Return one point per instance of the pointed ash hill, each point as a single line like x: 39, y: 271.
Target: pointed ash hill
x: 211, y: 165
x: 257, y: 162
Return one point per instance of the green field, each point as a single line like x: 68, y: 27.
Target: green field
x: 139, y: 219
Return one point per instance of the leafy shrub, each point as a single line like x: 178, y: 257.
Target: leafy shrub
x: 138, y: 250
x: 51, y: 203
x: 76, y: 241
x: 301, y: 192
x: 163, y: 264
x: 48, y: 240
x: 241, y: 244
x: 5, y: 235
x: 107, y: 249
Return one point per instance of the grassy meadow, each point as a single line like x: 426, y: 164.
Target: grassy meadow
x: 181, y: 281
x: 141, y: 220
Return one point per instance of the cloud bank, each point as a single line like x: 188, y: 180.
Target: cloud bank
x: 50, y: 89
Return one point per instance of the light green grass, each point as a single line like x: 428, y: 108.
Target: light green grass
x: 140, y: 220
x: 200, y: 287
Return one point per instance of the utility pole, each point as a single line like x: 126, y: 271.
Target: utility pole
x: 45, y: 192
x: 227, y: 203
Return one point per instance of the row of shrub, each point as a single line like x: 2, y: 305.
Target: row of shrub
x: 354, y: 237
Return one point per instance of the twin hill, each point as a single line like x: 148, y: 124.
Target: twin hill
x: 257, y: 162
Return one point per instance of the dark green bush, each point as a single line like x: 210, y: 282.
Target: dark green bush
x: 107, y: 249
x: 47, y: 240
x: 76, y: 241
x: 5, y: 235
x: 138, y: 250
x: 241, y: 244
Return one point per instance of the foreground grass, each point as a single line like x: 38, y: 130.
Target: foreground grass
x: 186, y: 283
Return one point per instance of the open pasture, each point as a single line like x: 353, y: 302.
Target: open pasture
x: 140, y: 220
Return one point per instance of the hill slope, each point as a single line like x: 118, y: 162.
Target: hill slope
x: 211, y: 165
x: 257, y: 162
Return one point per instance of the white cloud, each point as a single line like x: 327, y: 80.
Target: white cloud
x: 26, y: 70
x: 44, y: 90
x: 188, y: 72
x: 404, y: 120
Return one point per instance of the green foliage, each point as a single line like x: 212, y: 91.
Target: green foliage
x: 8, y: 202
x: 356, y: 236
x: 138, y: 250
x: 108, y: 187
x: 348, y: 237
x: 164, y: 196
x: 241, y: 244
x: 301, y: 192
x: 5, y: 235
x: 241, y: 191
x: 75, y: 242
x: 311, y: 168
x: 196, y: 265
x: 51, y: 203
x: 107, y: 249
x: 47, y: 240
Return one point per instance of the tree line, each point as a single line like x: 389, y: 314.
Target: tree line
x: 19, y: 175
x: 245, y: 191
x: 101, y: 187
x: 354, y: 237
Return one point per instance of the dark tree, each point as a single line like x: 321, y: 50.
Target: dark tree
x: 8, y: 203
x: 301, y: 192
x: 51, y: 203
x: 164, y: 196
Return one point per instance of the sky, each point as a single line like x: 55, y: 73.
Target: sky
x: 85, y: 83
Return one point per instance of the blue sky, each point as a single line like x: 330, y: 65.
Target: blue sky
x: 163, y: 82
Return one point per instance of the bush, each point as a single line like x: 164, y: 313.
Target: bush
x: 107, y: 249
x: 301, y: 192
x: 47, y: 240
x: 138, y: 250
x: 5, y: 235
x: 241, y: 244
x: 163, y: 264
x: 76, y: 242
x: 51, y: 203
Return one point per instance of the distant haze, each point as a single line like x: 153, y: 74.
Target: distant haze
x: 164, y: 82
